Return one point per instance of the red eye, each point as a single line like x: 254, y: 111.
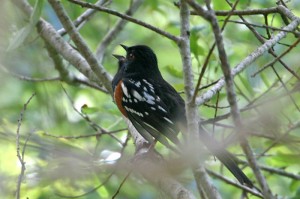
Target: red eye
x: 130, y: 56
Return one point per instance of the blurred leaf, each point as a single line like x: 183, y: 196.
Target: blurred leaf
x: 297, y: 195
x: 265, y: 80
x: 196, y: 49
x: 174, y: 71
x: 295, y: 185
x: 246, y: 84
x: 287, y: 158
x: 20, y: 37
x: 24, y: 32
x: 254, y: 81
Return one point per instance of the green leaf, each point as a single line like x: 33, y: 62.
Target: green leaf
x: 287, y: 158
x: 23, y: 33
x: 196, y: 49
x: 174, y: 71
x: 295, y: 185
x: 297, y: 194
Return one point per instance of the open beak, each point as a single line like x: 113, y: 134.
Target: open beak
x: 119, y: 57
x: 125, y: 47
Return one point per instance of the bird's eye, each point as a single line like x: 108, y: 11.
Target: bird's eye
x: 130, y: 56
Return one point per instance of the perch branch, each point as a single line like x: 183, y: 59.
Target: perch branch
x: 204, y: 183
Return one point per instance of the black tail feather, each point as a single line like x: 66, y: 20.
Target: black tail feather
x: 224, y: 156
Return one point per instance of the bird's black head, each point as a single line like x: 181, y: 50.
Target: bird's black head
x: 141, y: 61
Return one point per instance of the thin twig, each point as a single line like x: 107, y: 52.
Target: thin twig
x: 247, y: 61
x: 207, y: 58
x: 122, y: 183
x: 92, y: 124
x: 278, y: 58
x: 278, y: 139
x: 238, y: 185
x: 257, y: 35
x: 264, y: 27
x: 262, y: 11
x: 85, y: 136
x: 30, y: 79
x: 19, y: 155
x: 131, y: 19
x: 83, y: 18
x: 75, y: 80
x: 118, y: 27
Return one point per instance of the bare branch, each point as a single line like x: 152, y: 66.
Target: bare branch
x: 111, y: 35
x: 265, y: 27
x: 82, y: 46
x: 238, y: 185
x: 248, y: 60
x: 30, y: 79
x: 49, y: 34
x: 83, y: 18
x: 122, y: 183
x: 85, y: 135
x: 207, y: 58
x: 278, y: 58
x: 131, y: 19
x: 203, y: 181
x: 263, y: 11
x: 231, y: 95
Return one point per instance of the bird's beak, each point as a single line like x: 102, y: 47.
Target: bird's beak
x: 125, y: 47
x: 119, y: 57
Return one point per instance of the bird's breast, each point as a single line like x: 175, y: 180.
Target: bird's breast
x: 118, y: 95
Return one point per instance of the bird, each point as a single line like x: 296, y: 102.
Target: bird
x: 155, y: 108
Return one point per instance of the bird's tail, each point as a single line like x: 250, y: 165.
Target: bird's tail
x: 224, y: 156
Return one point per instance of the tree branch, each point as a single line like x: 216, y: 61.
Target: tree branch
x: 263, y: 11
x: 248, y: 60
x: 50, y: 35
x: 82, y: 46
x: 111, y: 35
x: 83, y: 18
x: 231, y: 95
x: 128, y: 18
x: 203, y: 181
x: 238, y: 185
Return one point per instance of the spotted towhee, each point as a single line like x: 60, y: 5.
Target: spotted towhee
x: 154, y: 107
